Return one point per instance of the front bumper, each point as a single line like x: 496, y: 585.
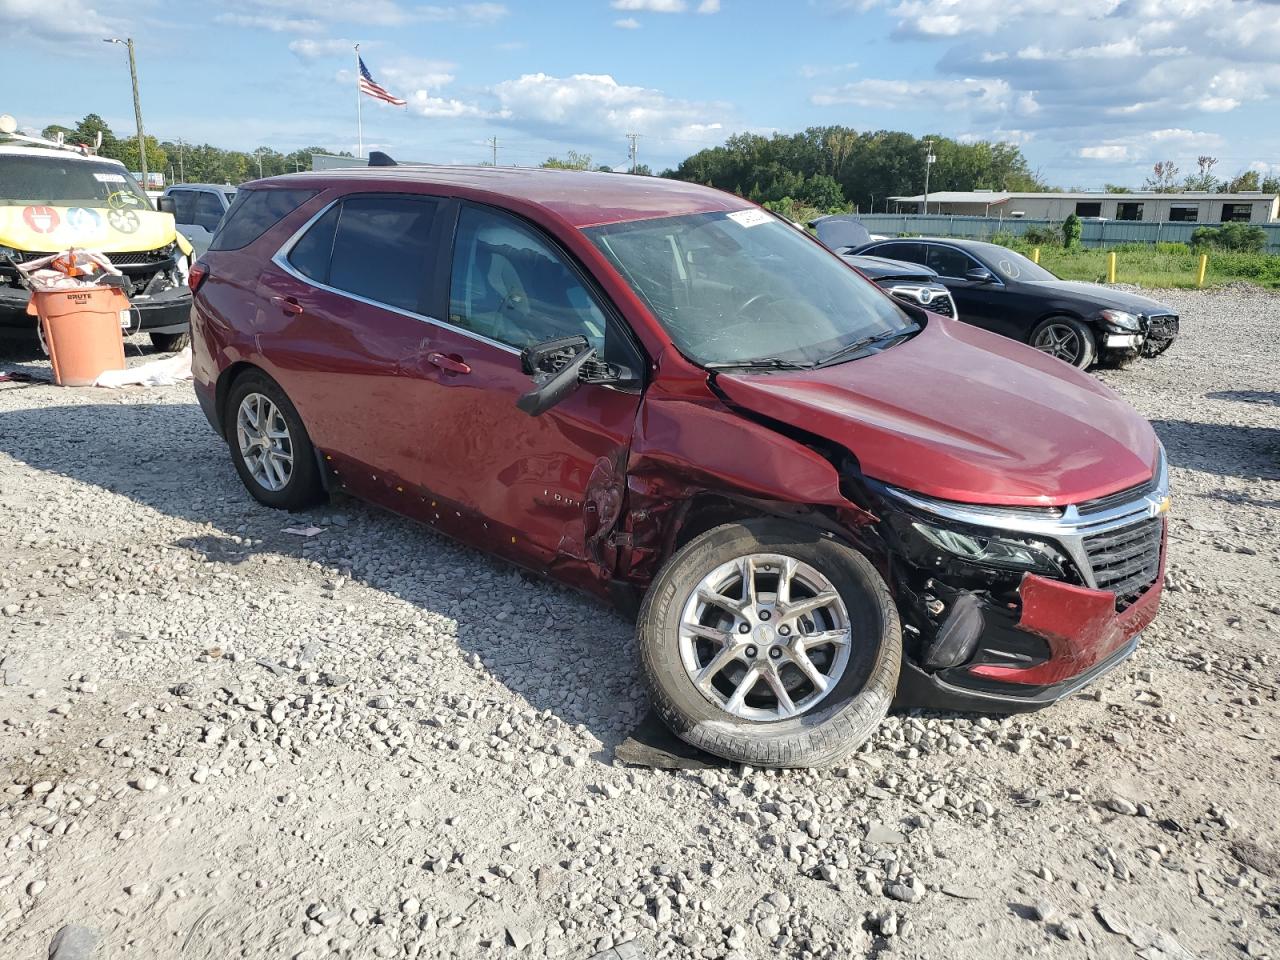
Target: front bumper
x: 1064, y: 638
x: 984, y: 636
x: 165, y: 312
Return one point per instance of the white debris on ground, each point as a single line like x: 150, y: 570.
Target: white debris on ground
x: 222, y: 740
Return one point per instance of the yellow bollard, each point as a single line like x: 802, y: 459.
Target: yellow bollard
x: 1111, y: 267
x: 1035, y: 255
x: 1204, y: 265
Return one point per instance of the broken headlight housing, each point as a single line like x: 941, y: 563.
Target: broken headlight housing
x: 1121, y: 321
x: 1007, y: 553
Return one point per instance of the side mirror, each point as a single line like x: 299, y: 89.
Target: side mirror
x: 980, y: 275
x: 166, y: 205
x: 558, y: 367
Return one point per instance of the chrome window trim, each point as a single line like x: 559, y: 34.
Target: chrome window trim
x: 281, y: 260
x: 1069, y: 530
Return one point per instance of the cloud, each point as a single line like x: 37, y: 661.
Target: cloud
x: 308, y: 49
x: 627, y: 23
x: 1150, y: 145
x: 709, y: 6
x: 811, y: 70
x: 594, y: 105
x: 976, y: 96
x: 51, y: 21
x: 651, y: 6
x: 300, y: 16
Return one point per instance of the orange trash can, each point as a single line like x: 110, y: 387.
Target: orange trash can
x: 81, y: 327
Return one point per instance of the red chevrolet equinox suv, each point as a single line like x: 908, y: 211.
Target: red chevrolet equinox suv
x: 816, y: 497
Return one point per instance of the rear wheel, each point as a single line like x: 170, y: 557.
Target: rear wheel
x: 766, y: 643
x: 1067, y: 339
x: 269, y: 445
x: 170, y: 342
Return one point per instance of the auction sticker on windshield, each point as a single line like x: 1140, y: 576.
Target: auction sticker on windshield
x: 109, y: 177
x: 749, y: 218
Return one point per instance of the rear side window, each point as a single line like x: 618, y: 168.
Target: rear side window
x: 253, y: 213
x: 908, y: 252
x: 376, y: 247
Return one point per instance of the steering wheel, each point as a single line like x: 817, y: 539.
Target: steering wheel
x: 758, y: 299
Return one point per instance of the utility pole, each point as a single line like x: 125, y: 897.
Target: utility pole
x: 493, y: 142
x: 633, y: 137
x: 928, y: 162
x: 182, y: 156
x: 259, y: 154
x: 137, y: 106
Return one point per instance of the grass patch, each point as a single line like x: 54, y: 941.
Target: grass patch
x: 1158, y: 265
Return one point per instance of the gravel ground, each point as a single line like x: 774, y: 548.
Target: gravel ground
x: 221, y: 740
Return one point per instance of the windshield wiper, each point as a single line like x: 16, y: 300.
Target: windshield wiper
x: 759, y: 363
x: 848, y: 351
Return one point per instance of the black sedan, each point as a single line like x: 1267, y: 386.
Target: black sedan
x: 1005, y: 292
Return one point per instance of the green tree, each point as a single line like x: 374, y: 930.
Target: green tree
x: 1163, y: 177
x: 1203, y: 180
x: 1116, y: 188
x: 1243, y: 182
x: 1071, y: 231
x: 573, y: 160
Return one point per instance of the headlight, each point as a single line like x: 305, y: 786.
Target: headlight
x: 993, y: 551
x: 1121, y: 320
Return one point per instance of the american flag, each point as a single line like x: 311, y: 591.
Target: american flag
x: 367, y: 85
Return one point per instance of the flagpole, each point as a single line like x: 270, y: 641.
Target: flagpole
x: 359, y: 116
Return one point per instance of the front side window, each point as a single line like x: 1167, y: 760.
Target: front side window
x: 183, y: 208
x: 68, y: 180
x: 510, y: 285
x: 948, y: 261
x: 745, y: 286
x: 208, y: 212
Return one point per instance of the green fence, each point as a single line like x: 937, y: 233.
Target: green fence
x: 1096, y: 233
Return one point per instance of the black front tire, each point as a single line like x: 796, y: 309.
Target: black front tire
x: 303, y: 488
x: 170, y: 342
x: 833, y: 727
x: 1083, y: 348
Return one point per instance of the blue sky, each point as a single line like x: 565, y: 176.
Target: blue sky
x: 1093, y: 91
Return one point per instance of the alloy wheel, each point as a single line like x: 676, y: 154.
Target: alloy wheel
x: 1059, y: 340
x: 765, y: 637
x: 265, y: 443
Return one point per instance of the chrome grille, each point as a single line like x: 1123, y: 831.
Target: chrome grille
x: 1126, y: 560
x: 943, y: 305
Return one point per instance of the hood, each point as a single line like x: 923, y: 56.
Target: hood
x: 840, y: 232
x: 880, y: 268
x: 1104, y: 296
x: 53, y: 229
x: 961, y: 414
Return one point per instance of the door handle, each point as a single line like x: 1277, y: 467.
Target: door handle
x: 288, y: 305
x: 447, y: 363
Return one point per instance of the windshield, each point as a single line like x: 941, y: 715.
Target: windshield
x: 69, y: 181
x: 1014, y: 266
x: 746, y: 286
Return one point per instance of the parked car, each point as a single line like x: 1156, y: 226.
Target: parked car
x: 53, y: 197
x: 1002, y: 291
x: 661, y: 394
x: 912, y: 282
x: 198, y: 209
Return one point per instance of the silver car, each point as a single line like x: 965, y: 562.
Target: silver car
x: 198, y: 209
